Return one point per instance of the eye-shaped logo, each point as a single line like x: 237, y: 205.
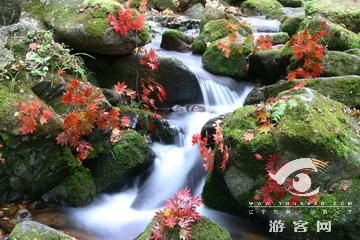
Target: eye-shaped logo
x: 303, y: 182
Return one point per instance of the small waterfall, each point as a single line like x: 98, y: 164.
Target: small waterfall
x: 125, y: 215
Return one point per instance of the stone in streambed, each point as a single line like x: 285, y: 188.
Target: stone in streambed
x: 344, y: 89
x: 30, y: 230
x: 176, y: 41
x: 204, y: 229
x: 270, y: 8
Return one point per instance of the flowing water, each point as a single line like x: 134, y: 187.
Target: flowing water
x: 124, y: 215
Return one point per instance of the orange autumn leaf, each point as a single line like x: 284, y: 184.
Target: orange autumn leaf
x: 248, y: 136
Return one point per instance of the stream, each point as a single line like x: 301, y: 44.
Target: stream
x: 125, y: 215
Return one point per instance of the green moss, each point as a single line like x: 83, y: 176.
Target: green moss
x: 198, y: 46
x: 270, y: 8
x: 340, y: 64
x: 291, y: 25
x: 345, y: 12
x: 163, y: 4
x: 354, y: 51
x: 291, y: 3
x: 204, y: 229
x: 29, y: 230
x: 280, y: 38
x: 176, y: 34
x: 234, y: 66
x: 108, y: 5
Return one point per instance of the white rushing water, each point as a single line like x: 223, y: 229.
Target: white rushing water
x: 124, y: 215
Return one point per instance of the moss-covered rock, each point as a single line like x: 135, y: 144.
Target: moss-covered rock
x: 338, y: 37
x: 291, y: 25
x: 313, y: 127
x: 344, y: 89
x: 217, y: 29
x: 354, y: 51
x: 87, y: 30
x: 267, y: 66
x: 78, y: 189
x: 34, y: 163
x: 30, y: 230
x: 10, y: 11
x: 270, y: 8
x: 291, y: 3
x: 340, y: 64
x: 235, y: 65
x: 127, y: 158
x: 279, y: 38
x: 163, y: 4
x: 204, y: 229
x: 344, y: 12
x: 195, y: 11
x: 176, y: 40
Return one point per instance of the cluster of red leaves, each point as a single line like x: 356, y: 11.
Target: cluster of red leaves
x: 179, y: 211
x: 208, y: 153
x: 308, y: 50
x: 272, y: 191
x: 86, y: 115
x: 126, y: 20
x: 122, y: 89
x: 225, y: 44
x: 263, y: 43
x: 29, y: 113
x: 149, y: 87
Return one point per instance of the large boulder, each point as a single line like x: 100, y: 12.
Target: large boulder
x: 34, y: 164
x: 163, y: 4
x: 188, y: 4
x: 204, y: 229
x: 195, y: 11
x: 270, y: 8
x: 340, y: 64
x: 214, y: 30
x: 175, y: 40
x: 234, y: 65
x: 10, y: 11
x: 267, y: 66
x: 212, y: 11
x: 344, y: 12
x: 84, y: 25
x: 30, y: 230
x: 338, y: 37
x: 310, y: 126
x: 127, y: 158
x: 344, y: 89
x: 180, y: 83
x: 77, y: 189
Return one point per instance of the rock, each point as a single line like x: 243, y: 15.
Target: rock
x: 195, y: 11
x: 340, y: 64
x: 212, y: 12
x: 338, y: 38
x: 270, y: 8
x: 291, y: 25
x: 214, y: 30
x: 34, y: 163
x: 84, y: 26
x: 344, y: 12
x: 30, y: 230
x: 184, y: 5
x: 127, y: 158
x: 291, y: 3
x: 204, y: 229
x: 268, y: 66
x: 180, y: 83
x: 344, y: 89
x: 10, y: 11
x: 354, y: 51
x: 78, y: 189
x: 279, y: 38
x: 313, y: 127
x: 163, y: 4
x: 176, y: 41
x: 235, y: 65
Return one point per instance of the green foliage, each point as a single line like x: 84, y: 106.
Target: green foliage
x: 279, y: 108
